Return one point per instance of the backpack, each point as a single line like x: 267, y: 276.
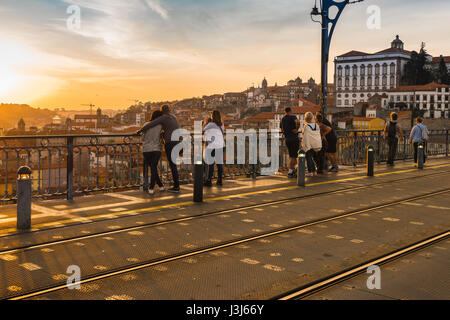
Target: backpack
x: 316, y: 138
x: 424, y: 133
x: 392, y: 130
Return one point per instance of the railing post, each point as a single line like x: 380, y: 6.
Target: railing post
x: 69, y: 168
x: 446, y: 143
x: 379, y: 147
x: 355, y: 149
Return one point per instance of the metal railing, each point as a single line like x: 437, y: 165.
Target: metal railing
x: 81, y: 164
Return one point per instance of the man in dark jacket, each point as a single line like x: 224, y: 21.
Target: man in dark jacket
x: 392, y: 132
x: 169, y: 125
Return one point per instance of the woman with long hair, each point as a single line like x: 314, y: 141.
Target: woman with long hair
x: 214, y: 132
x: 152, y: 154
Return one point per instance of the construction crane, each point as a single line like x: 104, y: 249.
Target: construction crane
x: 89, y: 105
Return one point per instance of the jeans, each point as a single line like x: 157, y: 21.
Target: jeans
x: 310, y: 154
x: 319, y: 159
x: 211, y: 169
x: 151, y: 159
x: 392, y: 144
x: 416, y: 146
x: 173, y: 167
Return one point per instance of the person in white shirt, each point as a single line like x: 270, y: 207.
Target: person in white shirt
x: 214, y: 148
x: 311, y: 142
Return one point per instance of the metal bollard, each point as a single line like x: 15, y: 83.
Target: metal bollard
x: 370, y: 161
x: 198, y: 181
x: 301, y: 169
x: 24, y: 198
x: 420, y: 155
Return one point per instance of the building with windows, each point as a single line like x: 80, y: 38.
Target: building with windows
x: 359, y: 75
x: 432, y: 98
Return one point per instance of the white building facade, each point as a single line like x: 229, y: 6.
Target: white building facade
x: 360, y: 75
x: 432, y: 98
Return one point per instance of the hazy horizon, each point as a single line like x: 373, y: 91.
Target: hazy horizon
x: 164, y: 50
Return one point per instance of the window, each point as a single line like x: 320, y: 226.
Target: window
x: 354, y: 102
x: 377, y: 69
x: 392, y: 81
x: 347, y: 71
x: 355, y: 70
x: 385, y: 68
x: 347, y: 82
x: 363, y: 70
x: 384, y: 80
x: 392, y: 68
x: 362, y: 82
x: 369, y: 81
x: 340, y: 71
x: 346, y: 102
x: 340, y: 82
x: 362, y: 95
x: 339, y: 102
x: 354, y: 95
x: 369, y: 69
x: 355, y: 82
x: 377, y: 81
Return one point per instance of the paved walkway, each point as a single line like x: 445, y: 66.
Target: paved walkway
x: 248, y: 240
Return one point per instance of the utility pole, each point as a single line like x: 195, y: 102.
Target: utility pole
x: 328, y: 24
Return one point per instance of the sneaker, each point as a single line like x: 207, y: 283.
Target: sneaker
x: 162, y: 189
x: 219, y: 183
x: 151, y: 191
x: 208, y: 184
x: 174, y: 190
x: 291, y: 175
x: 310, y: 174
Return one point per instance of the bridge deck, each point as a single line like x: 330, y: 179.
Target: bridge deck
x: 248, y: 240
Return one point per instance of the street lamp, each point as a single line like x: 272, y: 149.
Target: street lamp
x: 328, y: 26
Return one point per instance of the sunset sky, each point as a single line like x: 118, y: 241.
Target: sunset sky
x: 154, y: 50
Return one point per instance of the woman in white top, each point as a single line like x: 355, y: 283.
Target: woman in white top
x: 311, y: 142
x: 214, y: 147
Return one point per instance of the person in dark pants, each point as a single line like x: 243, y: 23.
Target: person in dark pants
x: 419, y: 134
x: 319, y: 157
x: 392, y: 132
x: 215, y: 143
x: 169, y: 124
x: 152, y: 153
x: 289, y: 126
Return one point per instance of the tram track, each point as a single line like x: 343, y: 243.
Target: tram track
x: 339, y: 277
x: 226, y: 244
x: 190, y: 218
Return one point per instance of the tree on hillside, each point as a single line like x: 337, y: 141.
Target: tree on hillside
x: 416, y: 72
x: 442, y: 75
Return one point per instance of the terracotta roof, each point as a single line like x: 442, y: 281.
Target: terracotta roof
x: 353, y: 53
x: 393, y: 50
x: 427, y: 87
x: 437, y: 59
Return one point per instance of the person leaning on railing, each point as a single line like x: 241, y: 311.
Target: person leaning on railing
x: 419, y: 134
x: 392, y: 132
x: 169, y: 125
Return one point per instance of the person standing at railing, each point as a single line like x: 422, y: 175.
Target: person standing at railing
x: 311, y: 142
x: 324, y: 131
x: 392, y: 133
x: 289, y: 126
x: 215, y: 143
x: 169, y: 125
x: 151, y: 143
x: 419, y: 134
